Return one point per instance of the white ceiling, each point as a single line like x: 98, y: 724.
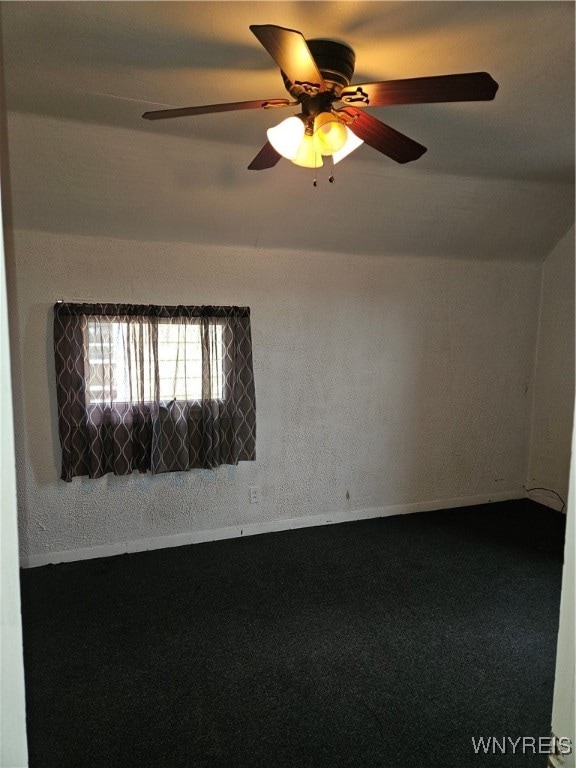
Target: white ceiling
x: 497, y: 180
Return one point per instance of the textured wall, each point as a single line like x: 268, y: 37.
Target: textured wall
x: 554, y: 379
x: 400, y: 380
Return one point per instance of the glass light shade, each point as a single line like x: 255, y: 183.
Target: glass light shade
x: 287, y: 136
x: 352, y: 143
x: 308, y: 155
x: 330, y: 133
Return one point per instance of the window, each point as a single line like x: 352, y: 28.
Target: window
x: 153, y: 387
x: 110, y: 360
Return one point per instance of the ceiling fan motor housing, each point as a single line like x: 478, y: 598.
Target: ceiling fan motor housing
x: 336, y: 64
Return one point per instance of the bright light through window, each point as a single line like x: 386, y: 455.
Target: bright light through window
x: 114, y: 349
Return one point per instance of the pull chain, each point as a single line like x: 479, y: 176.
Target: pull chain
x: 331, y: 178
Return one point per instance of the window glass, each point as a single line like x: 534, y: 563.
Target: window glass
x: 116, y: 350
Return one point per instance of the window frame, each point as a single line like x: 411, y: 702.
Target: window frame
x: 102, y: 402
x: 157, y: 437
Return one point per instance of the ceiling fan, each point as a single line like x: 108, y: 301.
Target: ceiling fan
x: 333, y: 121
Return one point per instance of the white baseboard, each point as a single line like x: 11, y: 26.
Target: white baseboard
x: 548, y: 498
x: 252, y: 529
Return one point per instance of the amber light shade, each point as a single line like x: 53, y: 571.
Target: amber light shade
x: 291, y: 141
x: 330, y: 137
x: 329, y: 133
x: 308, y: 155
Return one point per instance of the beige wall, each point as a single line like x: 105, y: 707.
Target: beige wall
x: 402, y: 381
x: 553, y: 405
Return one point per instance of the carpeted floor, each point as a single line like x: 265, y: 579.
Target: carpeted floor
x: 387, y: 642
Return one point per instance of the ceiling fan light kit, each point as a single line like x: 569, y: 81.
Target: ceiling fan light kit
x: 287, y: 136
x: 307, y: 155
x: 330, y: 133
x: 333, y: 122
x: 352, y: 143
x: 304, y: 140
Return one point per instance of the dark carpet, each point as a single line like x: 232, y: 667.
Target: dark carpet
x: 387, y: 642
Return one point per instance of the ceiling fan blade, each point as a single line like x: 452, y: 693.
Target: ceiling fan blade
x: 162, y: 114
x: 469, y: 86
x: 290, y: 51
x: 266, y: 158
x: 381, y: 137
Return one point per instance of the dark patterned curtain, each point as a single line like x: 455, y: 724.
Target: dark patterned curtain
x: 145, y: 387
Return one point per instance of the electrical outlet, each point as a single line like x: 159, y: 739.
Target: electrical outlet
x: 254, y: 494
